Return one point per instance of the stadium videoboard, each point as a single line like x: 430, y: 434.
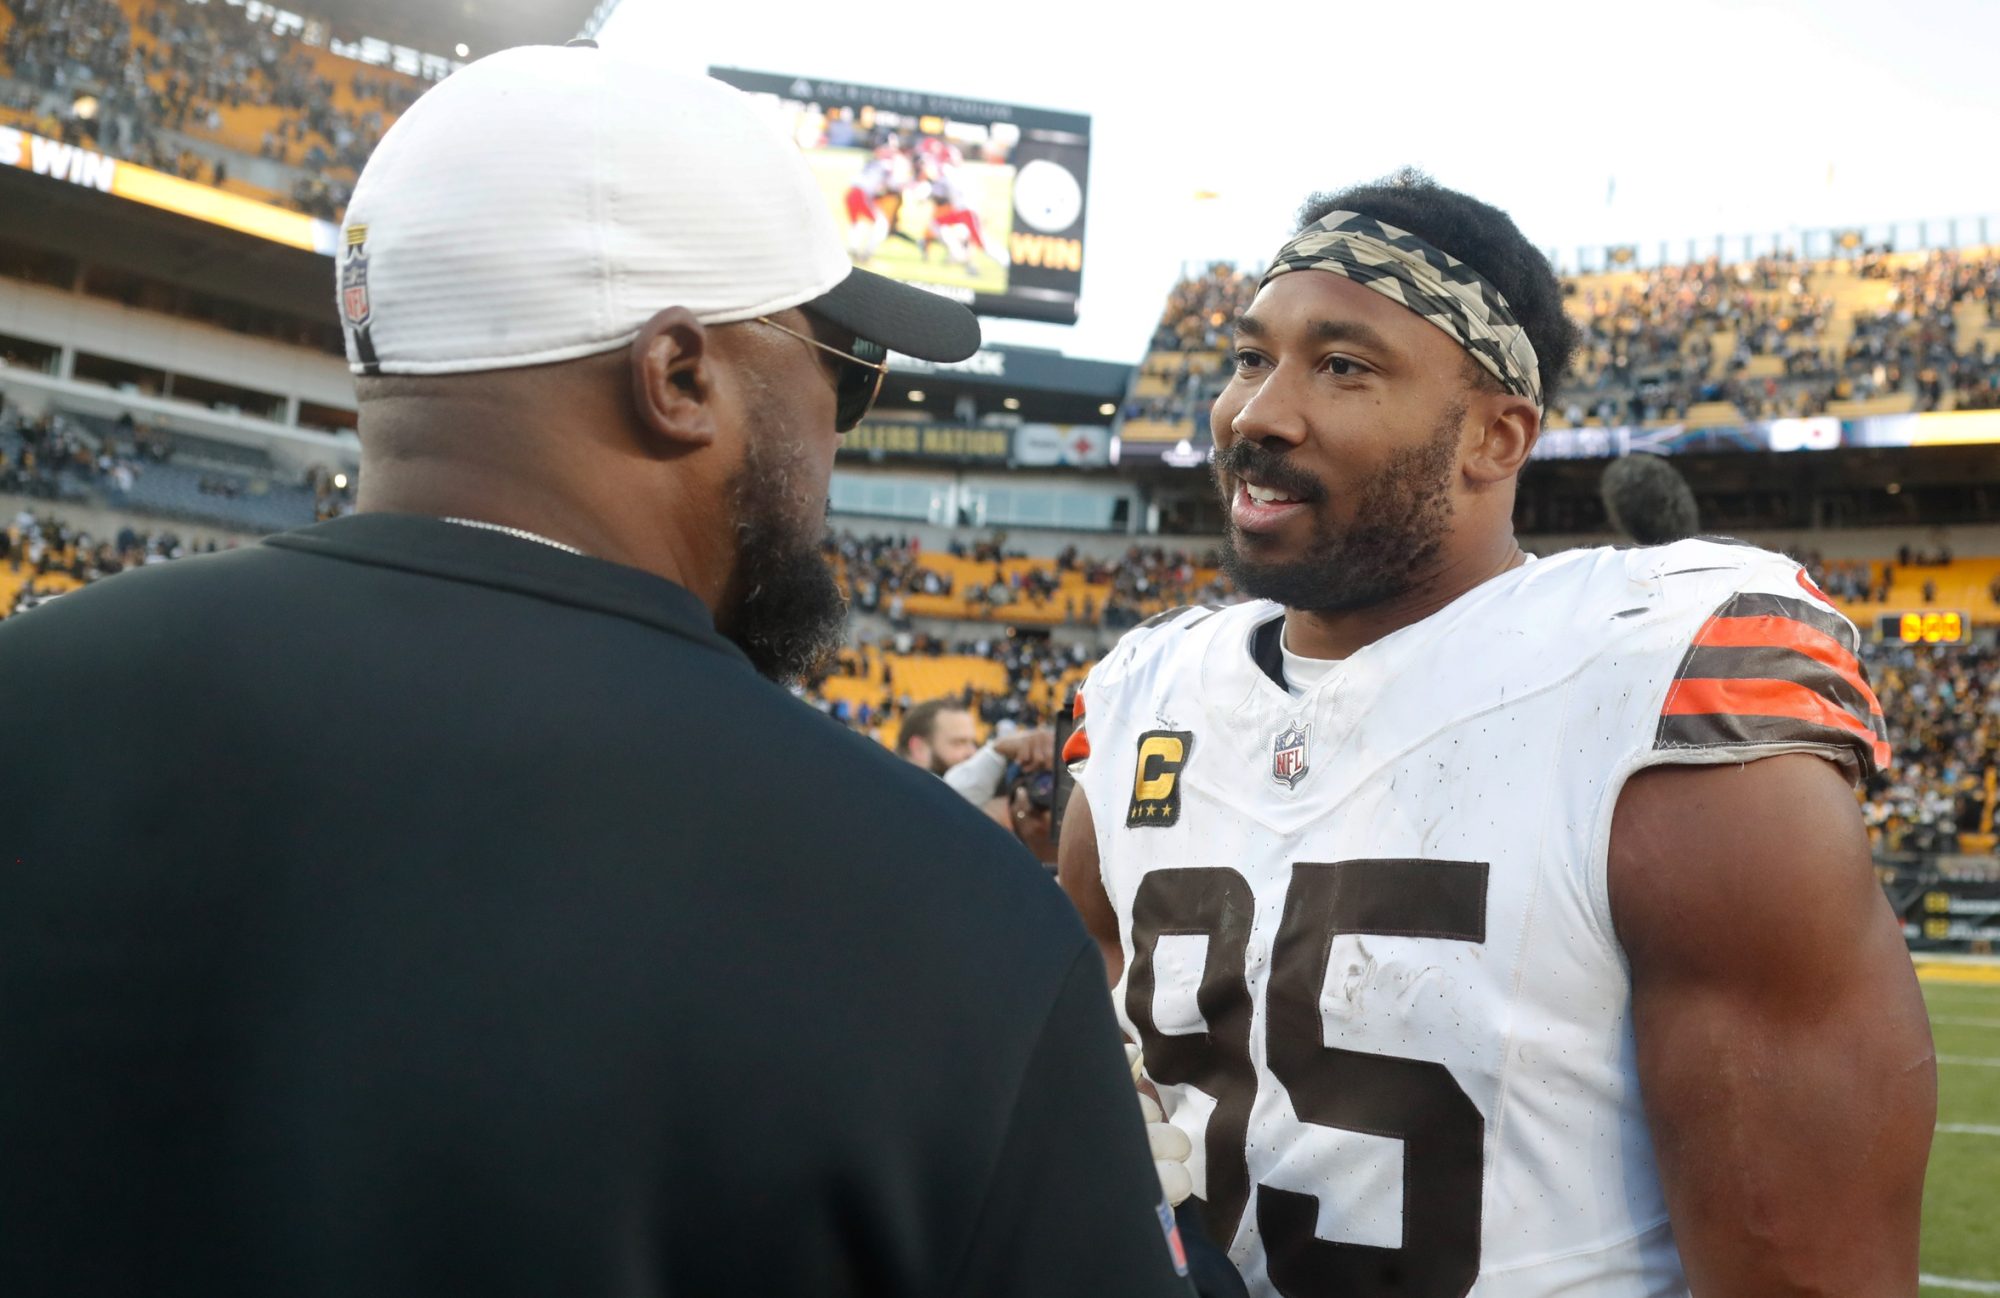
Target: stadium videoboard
x: 981, y: 202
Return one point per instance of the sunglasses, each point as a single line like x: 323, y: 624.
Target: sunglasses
x: 857, y: 382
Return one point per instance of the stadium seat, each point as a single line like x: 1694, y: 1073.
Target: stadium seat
x: 1712, y: 414
x: 245, y: 128
x: 1156, y: 430
x: 221, y: 497
x: 1893, y: 403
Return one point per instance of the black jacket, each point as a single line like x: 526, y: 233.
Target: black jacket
x: 397, y: 908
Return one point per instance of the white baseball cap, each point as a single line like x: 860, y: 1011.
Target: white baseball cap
x: 543, y: 203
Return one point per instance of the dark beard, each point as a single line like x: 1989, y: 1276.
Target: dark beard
x: 1400, y: 520
x: 790, y: 615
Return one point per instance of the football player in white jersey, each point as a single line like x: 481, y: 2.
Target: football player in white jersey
x: 1493, y: 926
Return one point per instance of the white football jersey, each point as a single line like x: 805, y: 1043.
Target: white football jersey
x: 1368, y: 947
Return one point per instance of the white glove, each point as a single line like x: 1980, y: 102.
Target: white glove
x: 1170, y: 1144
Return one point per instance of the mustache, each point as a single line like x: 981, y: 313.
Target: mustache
x: 1267, y: 469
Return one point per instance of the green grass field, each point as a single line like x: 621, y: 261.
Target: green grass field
x: 1961, y: 1249
x: 835, y: 170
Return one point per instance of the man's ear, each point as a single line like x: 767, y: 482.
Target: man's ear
x: 673, y: 378
x: 1508, y: 430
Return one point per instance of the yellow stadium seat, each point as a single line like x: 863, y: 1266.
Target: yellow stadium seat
x: 1893, y: 403
x: 1964, y: 585
x: 1157, y: 430
x: 1712, y: 414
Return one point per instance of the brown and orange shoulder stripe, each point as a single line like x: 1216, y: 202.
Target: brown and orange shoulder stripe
x: 1773, y: 670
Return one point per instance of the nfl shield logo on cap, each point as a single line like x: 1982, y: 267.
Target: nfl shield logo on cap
x: 354, y: 278
x: 1288, y: 755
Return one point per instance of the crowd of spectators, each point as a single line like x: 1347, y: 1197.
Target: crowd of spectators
x: 1857, y: 580
x: 1201, y: 306
x: 52, y: 458
x: 147, y: 100
x: 1942, y: 704
x: 1649, y: 345
x: 1146, y: 577
x: 1872, y: 581
x: 1647, y: 349
x: 34, y: 547
x: 1032, y: 663
x: 1192, y: 330
x: 878, y: 572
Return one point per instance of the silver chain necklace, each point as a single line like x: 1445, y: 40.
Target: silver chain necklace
x: 516, y: 532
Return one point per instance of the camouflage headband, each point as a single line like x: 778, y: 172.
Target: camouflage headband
x: 1434, y: 284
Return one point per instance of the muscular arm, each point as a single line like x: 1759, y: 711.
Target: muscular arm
x: 1077, y: 872
x: 1784, y: 1053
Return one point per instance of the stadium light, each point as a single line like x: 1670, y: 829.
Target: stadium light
x: 464, y: 50
x: 1012, y: 403
x: 916, y: 394
x: 1108, y: 408
x: 340, y: 482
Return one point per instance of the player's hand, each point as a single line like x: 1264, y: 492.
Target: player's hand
x: 1171, y: 1146
x: 1033, y: 750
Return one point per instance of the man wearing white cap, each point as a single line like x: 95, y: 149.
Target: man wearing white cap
x: 502, y: 930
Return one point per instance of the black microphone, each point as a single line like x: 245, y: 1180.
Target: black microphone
x: 1648, y: 500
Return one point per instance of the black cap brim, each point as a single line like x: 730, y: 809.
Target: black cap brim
x: 899, y: 316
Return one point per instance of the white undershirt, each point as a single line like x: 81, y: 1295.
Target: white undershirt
x: 1302, y: 673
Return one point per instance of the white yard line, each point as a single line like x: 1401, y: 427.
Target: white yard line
x: 1974, y: 1060
x: 1962, y: 1286
x: 1966, y: 1129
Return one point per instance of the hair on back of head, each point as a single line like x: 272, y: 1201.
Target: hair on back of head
x: 1484, y: 238
x: 1648, y: 500
x: 920, y: 722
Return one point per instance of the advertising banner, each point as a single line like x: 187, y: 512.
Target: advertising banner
x: 76, y: 165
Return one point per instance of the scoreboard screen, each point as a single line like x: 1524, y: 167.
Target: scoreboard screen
x: 981, y: 202
x: 1925, y: 628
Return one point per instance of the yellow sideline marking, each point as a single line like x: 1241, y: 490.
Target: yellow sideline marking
x: 1931, y: 972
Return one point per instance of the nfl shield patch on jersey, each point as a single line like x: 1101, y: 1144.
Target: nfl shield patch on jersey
x: 1288, y: 755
